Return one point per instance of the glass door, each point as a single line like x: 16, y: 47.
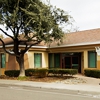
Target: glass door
x: 75, y: 62
x: 67, y: 62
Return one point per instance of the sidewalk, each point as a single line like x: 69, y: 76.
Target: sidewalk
x: 92, y: 84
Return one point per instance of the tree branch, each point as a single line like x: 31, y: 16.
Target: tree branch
x: 6, y: 33
x: 29, y: 46
x: 5, y: 48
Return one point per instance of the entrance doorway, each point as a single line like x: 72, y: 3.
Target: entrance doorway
x: 72, y: 62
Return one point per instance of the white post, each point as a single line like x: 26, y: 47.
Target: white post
x: 98, y: 50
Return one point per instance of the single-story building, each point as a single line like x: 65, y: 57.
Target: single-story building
x: 77, y: 51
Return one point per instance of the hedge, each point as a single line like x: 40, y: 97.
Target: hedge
x: 12, y: 73
x: 92, y: 73
x: 42, y: 72
x: 28, y: 72
x: 62, y: 71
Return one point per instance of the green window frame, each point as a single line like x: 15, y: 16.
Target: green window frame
x: 37, y: 60
x: 3, y: 60
x: 92, y: 59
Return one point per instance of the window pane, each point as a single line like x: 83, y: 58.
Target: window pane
x: 37, y: 60
x: 92, y: 59
x: 75, y: 62
x: 3, y: 60
x: 57, y: 60
x: 67, y: 62
x: 51, y: 60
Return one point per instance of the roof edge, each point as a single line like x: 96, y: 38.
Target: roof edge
x: 78, y: 44
x: 69, y: 45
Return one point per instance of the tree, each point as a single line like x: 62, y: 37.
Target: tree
x: 33, y: 20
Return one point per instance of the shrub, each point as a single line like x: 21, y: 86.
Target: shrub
x: 62, y: 71
x: 12, y: 73
x: 53, y: 71
x: 29, y: 72
x: 41, y: 73
x: 92, y: 73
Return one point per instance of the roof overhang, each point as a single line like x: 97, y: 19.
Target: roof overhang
x: 78, y: 44
x: 55, y: 47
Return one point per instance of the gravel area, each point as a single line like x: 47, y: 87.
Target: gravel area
x: 72, y: 81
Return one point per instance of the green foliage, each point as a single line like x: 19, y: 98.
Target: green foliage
x: 30, y: 72
x: 61, y: 72
x: 92, y: 73
x: 12, y: 73
x: 33, y: 18
x: 41, y: 73
x: 37, y: 72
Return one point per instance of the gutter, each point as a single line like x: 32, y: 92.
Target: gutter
x: 78, y: 44
x: 68, y: 45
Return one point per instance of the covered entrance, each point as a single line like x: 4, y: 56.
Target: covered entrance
x: 72, y: 61
x: 65, y: 60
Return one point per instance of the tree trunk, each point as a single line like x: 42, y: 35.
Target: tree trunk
x: 20, y: 61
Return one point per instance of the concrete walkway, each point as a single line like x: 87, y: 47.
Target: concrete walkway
x: 92, y: 84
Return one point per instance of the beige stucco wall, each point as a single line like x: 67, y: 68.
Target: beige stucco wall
x: 31, y: 59
x: 85, y: 61
x: 11, y: 63
x: 44, y: 59
x: 7, y: 57
x: 98, y: 62
x: 2, y: 71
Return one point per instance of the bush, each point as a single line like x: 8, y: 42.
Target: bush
x: 12, y: 73
x: 41, y: 73
x: 36, y: 72
x: 29, y: 72
x: 54, y: 71
x: 92, y: 73
x: 62, y: 71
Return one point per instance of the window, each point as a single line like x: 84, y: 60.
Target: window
x: 51, y: 60
x: 57, y: 60
x: 54, y: 60
x: 37, y: 60
x: 92, y: 59
x: 3, y: 60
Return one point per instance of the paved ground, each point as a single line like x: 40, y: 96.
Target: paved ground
x: 79, y: 83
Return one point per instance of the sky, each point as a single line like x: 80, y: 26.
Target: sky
x: 86, y: 13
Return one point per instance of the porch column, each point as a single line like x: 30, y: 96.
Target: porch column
x: 98, y: 58
x: 98, y: 62
x: 85, y: 59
